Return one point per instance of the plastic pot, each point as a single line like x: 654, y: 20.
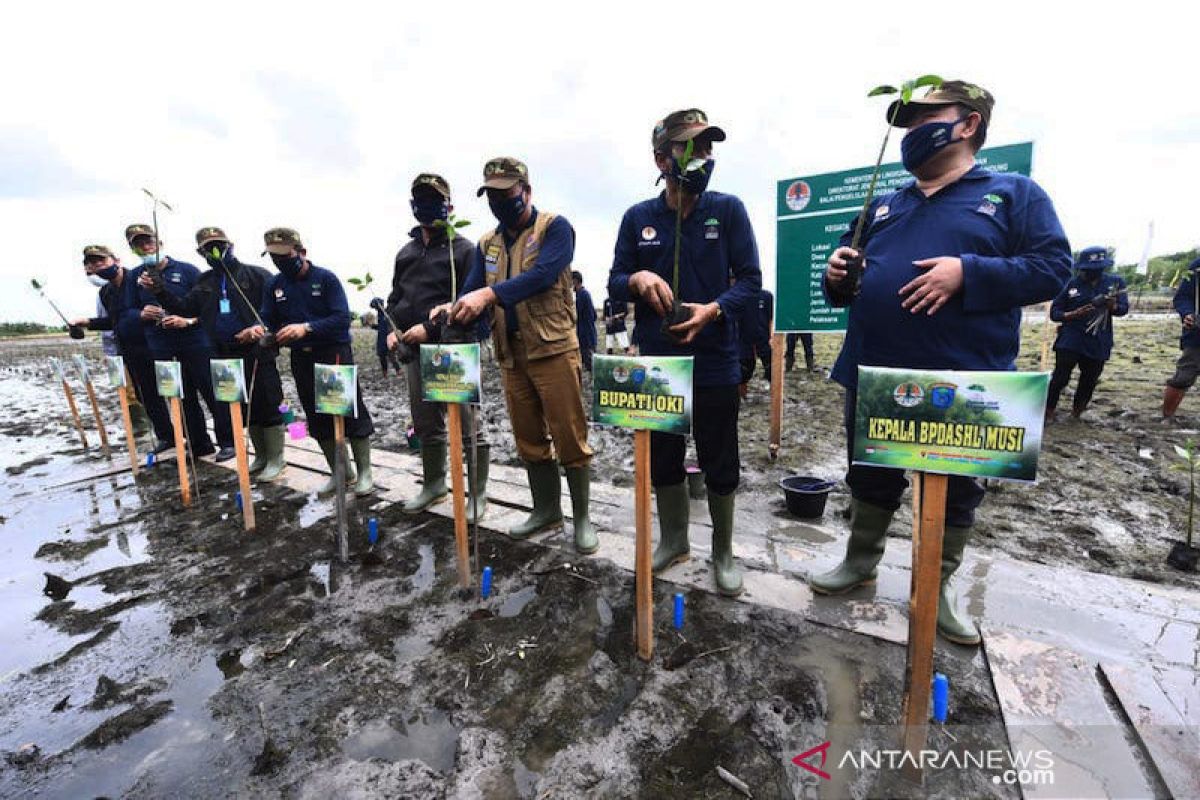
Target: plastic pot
x: 806, y: 495
x: 1184, y: 557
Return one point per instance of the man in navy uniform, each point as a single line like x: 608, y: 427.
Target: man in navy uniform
x: 585, y: 320
x: 1187, y: 300
x: 716, y: 244
x: 948, y: 262
x: 1085, y: 307
x: 754, y: 338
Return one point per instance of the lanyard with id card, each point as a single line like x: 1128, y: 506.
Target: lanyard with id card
x: 225, y: 307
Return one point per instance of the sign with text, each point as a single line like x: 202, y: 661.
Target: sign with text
x: 973, y: 423
x: 813, y: 212
x: 450, y: 373
x: 336, y: 388
x: 115, y: 367
x: 228, y: 379
x: 652, y: 393
x: 168, y: 375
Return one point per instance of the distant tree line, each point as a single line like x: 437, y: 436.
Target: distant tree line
x: 28, y: 328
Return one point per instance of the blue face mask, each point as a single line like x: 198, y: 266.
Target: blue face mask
x: 695, y: 180
x: 428, y: 211
x: 924, y: 141
x: 508, y: 210
x: 150, y: 259
x: 288, y: 266
x: 108, y: 273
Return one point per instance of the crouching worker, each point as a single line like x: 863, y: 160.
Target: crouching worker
x: 305, y: 307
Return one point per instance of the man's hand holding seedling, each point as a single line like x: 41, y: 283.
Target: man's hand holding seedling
x: 413, y: 336
x: 701, y: 315
x: 837, y: 270
x: 654, y: 290
x: 292, y: 333
x: 471, y: 305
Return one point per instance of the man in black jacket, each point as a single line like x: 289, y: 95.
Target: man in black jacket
x: 123, y: 318
x: 226, y: 299
x: 421, y: 281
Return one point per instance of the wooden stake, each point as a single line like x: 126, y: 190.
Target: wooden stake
x: 929, y: 526
x: 461, y: 549
x: 778, y: 343
x: 1047, y: 330
x: 643, y: 580
x: 185, y: 487
x: 339, y: 484
x: 91, y: 393
x: 75, y: 413
x: 130, y: 441
x: 243, y: 465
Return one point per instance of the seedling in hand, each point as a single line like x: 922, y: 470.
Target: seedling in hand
x: 75, y: 331
x: 452, y: 333
x: 678, y: 313
x: 854, y: 266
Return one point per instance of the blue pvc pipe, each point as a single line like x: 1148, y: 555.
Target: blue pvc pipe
x: 678, y: 611
x: 372, y: 530
x: 485, y: 586
x: 941, y: 696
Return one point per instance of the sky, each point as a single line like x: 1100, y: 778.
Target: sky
x: 317, y: 117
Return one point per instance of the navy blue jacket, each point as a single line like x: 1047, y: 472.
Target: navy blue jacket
x: 382, y: 329
x: 1185, y: 303
x: 317, y: 298
x: 754, y: 328
x: 124, y: 315
x: 1014, y: 253
x: 179, y: 278
x: 717, y: 243
x: 1072, y: 334
x: 557, y: 251
x: 617, y: 312
x: 585, y: 319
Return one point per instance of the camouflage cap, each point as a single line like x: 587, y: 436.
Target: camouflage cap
x: 973, y: 97
x: 136, y: 230
x: 281, y: 241
x: 97, y: 251
x: 503, y: 173
x: 435, y: 182
x: 210, y: 234
x: 683, y: 126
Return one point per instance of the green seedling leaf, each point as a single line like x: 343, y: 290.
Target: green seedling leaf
x: 462, y: 223
x: 933, y: 81
x: 216, y: 252
x: 35, y: 283
x: 1179, y: 451
x: 906, y: 92
x: 878, y: 90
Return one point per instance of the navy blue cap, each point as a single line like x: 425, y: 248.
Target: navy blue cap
x: 1093, y: 258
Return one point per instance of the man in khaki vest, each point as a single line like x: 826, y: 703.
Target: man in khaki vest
x: 523, y: 270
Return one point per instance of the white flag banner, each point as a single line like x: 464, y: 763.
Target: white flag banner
x: 1143, y: 266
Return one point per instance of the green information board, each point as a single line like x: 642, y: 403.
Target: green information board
x: 813, y: 212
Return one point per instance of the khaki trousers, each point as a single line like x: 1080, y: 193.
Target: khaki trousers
x: 545, y: 406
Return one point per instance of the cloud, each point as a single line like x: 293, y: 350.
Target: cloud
x: 34, y: 168
x: 313, y: 123
x: 189, y: 116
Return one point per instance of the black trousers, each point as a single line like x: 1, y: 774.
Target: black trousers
x: 715, y: 431
x: 1089, y: 377
x: 197, y: 384
x: 262, y: 382
x: 585, y: 356
x: 806, y: 339
x: 141, y: 369
x: 762, y: 352
x: 320, y: 426
x: 883, y: 486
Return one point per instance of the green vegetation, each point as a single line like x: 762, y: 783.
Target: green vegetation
x: 9, y: 329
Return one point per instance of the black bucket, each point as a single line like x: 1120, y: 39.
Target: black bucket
x: 1183, y: 556
x: 806, y: 495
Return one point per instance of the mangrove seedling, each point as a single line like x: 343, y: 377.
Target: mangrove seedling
x: 1183, y: 554
x: 75, y: 331
x: 451, y: 332
x: 854, y: 266
x: 678, y: 314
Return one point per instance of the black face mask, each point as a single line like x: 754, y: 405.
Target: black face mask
x: 288, y: 266
x: 428, y: 210
x: 508, y: 210
x: 108, y: 273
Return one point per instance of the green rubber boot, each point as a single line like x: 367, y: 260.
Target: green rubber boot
x: 864, y: 549
x: 260, y: 449
x: 725, y: 569
x: 477, y: 478
x: 328, y: 487
x: 546, y: 488
x: 673, y: 512
x: 579, y: 481
x: 273, y: 453
x: 952, y: 626
x: 433, y: 485
x: 361, y: 448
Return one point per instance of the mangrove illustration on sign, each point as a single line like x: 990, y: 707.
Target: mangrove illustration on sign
x: 643, y: 393
x: 82, y: 365
x: 336, y: 389
x: 974, y: 423
x: 450, y: 373
x: 168, y: 375
x: 115, y: 367
x: 228, y: 379
x: 57, y: 366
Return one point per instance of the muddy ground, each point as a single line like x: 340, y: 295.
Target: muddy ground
x: 173, y: 655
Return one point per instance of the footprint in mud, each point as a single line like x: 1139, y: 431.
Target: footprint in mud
x: 20, y: 469
x: 123, y: 725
